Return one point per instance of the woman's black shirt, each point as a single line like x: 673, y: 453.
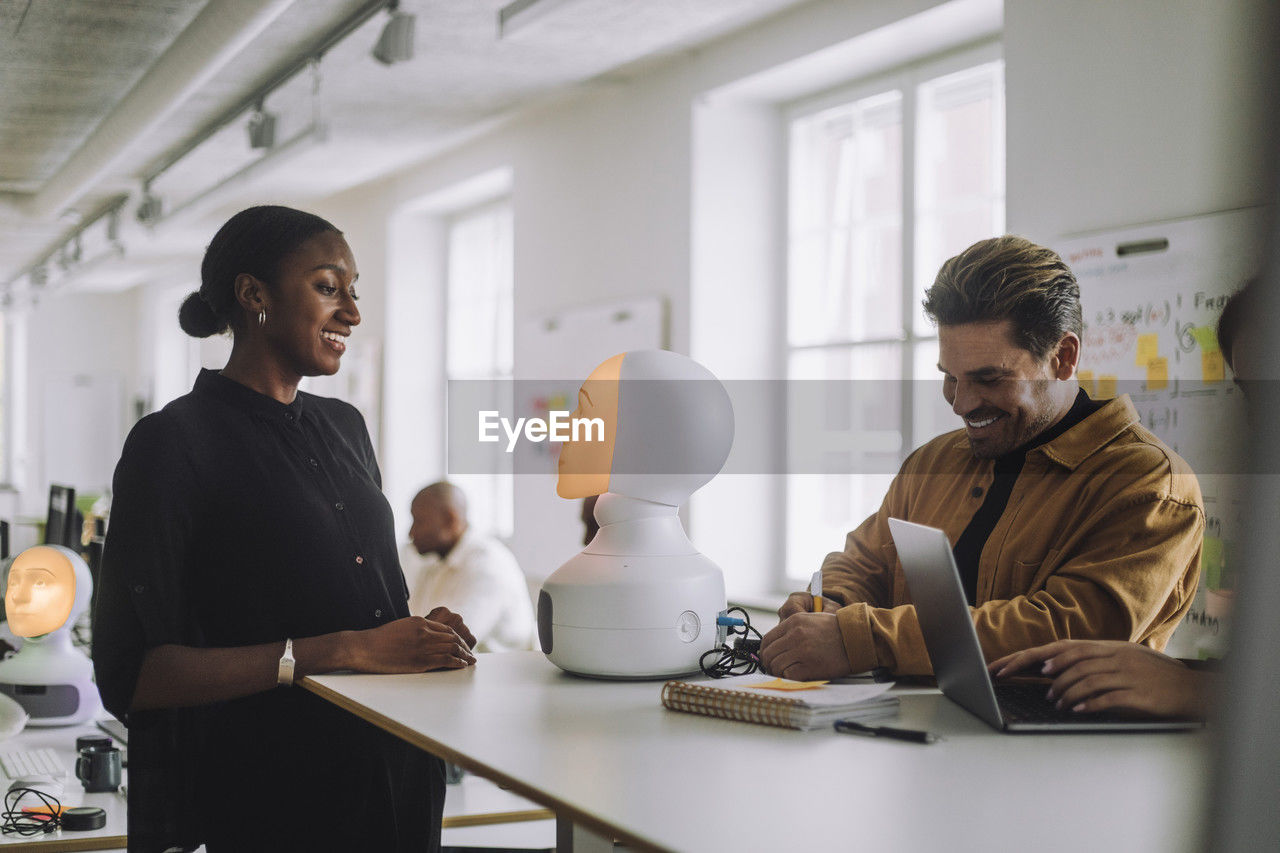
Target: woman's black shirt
x: 238, y: 520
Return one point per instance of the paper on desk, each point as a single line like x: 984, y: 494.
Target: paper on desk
x: 788, y: 684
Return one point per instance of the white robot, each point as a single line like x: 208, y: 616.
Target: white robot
x: 49, y: 587
x: 640, y: 601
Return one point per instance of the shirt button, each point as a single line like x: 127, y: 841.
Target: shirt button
x: 313, y: 463
x: 378, y: 614
x: 288, y: 416
x: 339, y: 506
x: 977, y: 491
x: 139, y: 589
x: 359, y: 560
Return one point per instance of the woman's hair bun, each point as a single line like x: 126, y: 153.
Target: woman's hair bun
x: 197, y: 319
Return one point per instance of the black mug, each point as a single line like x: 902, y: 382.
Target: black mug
x: 98, y: 764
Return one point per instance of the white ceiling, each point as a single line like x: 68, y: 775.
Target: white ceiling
x: 67, y: 69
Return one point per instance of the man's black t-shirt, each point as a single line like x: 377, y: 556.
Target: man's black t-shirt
x: 968, y: 548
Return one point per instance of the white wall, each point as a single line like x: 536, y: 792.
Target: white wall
x: 1134, y: 112
x: 77, y: 343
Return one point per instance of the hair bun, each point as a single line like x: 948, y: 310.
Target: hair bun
x: 197, y: 319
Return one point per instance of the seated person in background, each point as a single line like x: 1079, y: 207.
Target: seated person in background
x: 1068, y: 518
x: 465, y: 571
x: 1091, y: 676
x: 590, y: 527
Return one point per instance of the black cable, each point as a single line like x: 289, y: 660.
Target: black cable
x: 15, y: 820
x: 735, y: 657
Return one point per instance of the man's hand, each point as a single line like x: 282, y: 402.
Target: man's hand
x: 802, y: 602
x: 1108, y: 675
x: 805, y: 647
x: 412, y: 644
x: 454, y: 621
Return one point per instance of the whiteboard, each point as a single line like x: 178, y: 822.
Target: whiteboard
x: 1152, y: 295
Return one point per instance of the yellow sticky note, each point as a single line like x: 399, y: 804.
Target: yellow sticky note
x: 1087, y: 382
x: 1212, y: 559
x: 1148, y: 348
x: 1157, y: 374
x: 784, y: 684
x: 1206, y: 337
x: 1212, y: 367
x: 1106, y: 387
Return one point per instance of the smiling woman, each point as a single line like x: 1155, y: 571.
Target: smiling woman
x: 290, y: 300
x: 250, y: 544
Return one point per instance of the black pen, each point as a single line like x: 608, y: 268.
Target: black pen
x: 850, y: 727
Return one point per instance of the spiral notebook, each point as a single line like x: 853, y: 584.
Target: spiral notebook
x: 742, y: 698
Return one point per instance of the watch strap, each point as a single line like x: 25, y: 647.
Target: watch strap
x: 284, y: 673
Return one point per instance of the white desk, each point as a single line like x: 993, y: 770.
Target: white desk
x: 608, y: 757
x: 62, y: 739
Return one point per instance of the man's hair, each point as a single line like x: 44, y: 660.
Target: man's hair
x: 1240, y: 310
x: 1009, y: 278
x: 445, y: 494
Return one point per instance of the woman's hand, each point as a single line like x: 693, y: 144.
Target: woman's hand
x: 1109, y: 675
x: 453, y: 620
x: 412, y: 644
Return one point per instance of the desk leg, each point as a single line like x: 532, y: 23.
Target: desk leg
x: 572, y: 838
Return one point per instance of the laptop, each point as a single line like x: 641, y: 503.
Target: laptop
x: 958, y: 663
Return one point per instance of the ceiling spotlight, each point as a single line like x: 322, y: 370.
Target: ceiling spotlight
x: 262, y: 128
x: 70, y: 253
x: 396, y: 42
x: 149, y: 207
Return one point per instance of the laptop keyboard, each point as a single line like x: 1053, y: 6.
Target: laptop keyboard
x: 1025, y: 703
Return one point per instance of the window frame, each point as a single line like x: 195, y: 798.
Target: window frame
x: 503, y: 525
x: 906, y: 79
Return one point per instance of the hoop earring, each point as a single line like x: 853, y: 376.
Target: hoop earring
x: 262, y: 317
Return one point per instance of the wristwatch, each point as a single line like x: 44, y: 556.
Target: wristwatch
x: 284, y: 674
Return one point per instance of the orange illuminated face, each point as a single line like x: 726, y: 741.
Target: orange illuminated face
x: 585, y: 465
x: 42, y: 589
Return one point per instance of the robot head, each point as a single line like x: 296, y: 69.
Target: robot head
x: 49, y: 587
x: 667, y: 429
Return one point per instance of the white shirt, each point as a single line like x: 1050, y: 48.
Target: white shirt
x: 481, y: 581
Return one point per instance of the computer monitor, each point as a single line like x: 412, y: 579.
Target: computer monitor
x: 94, y: 558
x: 4, y: 540
x: 59, y: 527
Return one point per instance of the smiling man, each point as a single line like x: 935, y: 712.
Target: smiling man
x: 1068, y: 518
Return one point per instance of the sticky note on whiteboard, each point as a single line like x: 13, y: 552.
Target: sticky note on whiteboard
x: 1148, y: 348
x: 1211, y: 562
x: 1157, y: 374
x: 1212, y: 366
x: 1106, y: 387
x: 1088, y: 383
x: 1206, y: 337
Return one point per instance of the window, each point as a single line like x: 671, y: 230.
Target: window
x: 479, y: 339
x: 886, y: 181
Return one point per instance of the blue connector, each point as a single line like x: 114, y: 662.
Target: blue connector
x: 723, y: 622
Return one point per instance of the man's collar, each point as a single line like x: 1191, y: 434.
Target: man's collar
x: 458, y: 547
x: 1090, y: 435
